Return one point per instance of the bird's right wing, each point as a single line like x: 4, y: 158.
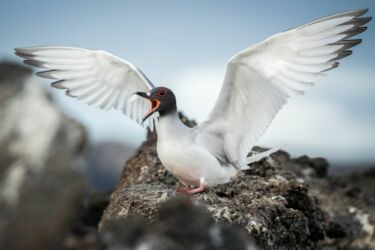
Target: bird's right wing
x: 260, y: 79
x: 94, y: 77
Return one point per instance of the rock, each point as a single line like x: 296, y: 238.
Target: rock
x: 267, y: 201
x: 171, y: 228
x: 308, y: 168
x: 349, y: 203
x: 41, y: 180
x: 92, y: 208
x: 286, y: 218
x: 192, y: 229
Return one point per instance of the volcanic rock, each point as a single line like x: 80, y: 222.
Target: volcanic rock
x: 268, y: 201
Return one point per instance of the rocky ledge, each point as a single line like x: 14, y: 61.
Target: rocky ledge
x: 271, y: 202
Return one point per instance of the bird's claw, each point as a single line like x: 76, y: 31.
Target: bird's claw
x: 201, y: 188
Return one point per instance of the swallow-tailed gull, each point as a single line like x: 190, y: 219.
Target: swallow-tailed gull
x: 258, y: 82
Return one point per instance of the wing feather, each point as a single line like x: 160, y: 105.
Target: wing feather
x: 92, y: 76
x: 260, y: 79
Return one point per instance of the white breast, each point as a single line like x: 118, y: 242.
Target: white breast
x: 186, y: 160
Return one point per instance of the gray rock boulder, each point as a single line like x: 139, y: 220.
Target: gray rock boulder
x: 41, y: 152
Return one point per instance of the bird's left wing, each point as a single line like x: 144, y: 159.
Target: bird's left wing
x: 261, y: 78
x: 94, y: 77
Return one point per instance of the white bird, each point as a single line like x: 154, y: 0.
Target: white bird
x: 258, y: 82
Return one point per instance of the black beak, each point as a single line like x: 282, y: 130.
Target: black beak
x: 155, y: 103
x: 142, y: 94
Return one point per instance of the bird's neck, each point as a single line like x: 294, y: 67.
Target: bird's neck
x: 170, y: 109
x: 171, y: 126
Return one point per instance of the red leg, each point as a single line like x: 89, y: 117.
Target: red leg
x: 202, y: 186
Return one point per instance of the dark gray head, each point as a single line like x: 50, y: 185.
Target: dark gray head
x: 162, y: 100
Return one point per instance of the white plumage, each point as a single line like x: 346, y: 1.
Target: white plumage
x: 258, y: 82
x: 94, y: 77
x: 260, y: 79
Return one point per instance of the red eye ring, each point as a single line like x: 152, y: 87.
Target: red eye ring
x: 162, y: 92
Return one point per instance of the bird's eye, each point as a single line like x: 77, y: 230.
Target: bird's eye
x: 162, y: 92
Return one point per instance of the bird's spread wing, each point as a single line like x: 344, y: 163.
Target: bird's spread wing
x: 261, y: 78
x: 94, y: 77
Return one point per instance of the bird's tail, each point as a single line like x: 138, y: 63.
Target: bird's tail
x: 260, y: 156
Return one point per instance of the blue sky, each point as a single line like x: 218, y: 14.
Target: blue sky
x: 185, y: 46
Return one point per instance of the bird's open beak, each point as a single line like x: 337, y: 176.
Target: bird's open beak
x: 155, y: 103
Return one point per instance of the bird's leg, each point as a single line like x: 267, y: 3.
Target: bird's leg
x: 202, y: 186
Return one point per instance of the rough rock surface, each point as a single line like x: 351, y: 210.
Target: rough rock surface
x: 178, y: 225
x: 41, y: 183
x: 171, y: 229
x: 268, y: 200
x: 349, y: 203
x: 282, y: 203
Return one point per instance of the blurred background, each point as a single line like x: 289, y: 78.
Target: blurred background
x: 185, y: 46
